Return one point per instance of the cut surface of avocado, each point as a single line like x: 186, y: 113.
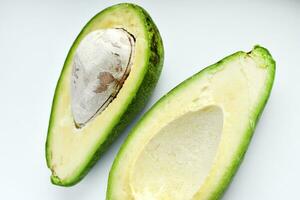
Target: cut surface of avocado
x: 190, y: 143
x: 109, y: 73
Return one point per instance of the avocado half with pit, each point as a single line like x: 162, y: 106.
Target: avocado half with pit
x: 110, y: 71
x: 191, y: 142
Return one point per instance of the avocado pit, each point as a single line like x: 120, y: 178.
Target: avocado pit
x: 101, y: 64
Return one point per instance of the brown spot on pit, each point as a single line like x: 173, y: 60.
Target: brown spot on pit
x: 105, y: 79
x: 118, y: 68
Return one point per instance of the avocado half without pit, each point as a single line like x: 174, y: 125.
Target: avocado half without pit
x: 109, y: 73
x: 190, y: 143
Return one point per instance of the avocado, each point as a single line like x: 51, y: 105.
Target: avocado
x: 191, y: 142
x: 107, y: 78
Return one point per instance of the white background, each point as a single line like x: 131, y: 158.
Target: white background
x: 35, y: 38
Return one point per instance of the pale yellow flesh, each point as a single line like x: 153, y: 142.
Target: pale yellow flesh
x: 176, y: 160
x: 71, y: 147
x: 176, y: 154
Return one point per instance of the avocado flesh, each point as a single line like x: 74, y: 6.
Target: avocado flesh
x: 190, y: 143
x: 72, y: 151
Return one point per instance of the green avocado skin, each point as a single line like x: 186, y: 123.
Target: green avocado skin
x: 221, y: 186
x: 154, y: 63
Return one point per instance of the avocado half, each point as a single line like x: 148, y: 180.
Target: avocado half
x: 191, y: 142
x: 73, y: 148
